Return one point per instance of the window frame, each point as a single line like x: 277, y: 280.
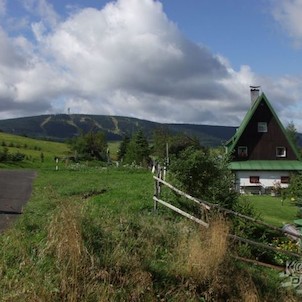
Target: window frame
x: 285, y: 179
x: 242, y: 151
x: 284, y: 154
x: 262, y: 127
x: 254, y: 179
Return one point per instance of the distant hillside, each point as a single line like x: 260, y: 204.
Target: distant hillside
x: 61, y: 127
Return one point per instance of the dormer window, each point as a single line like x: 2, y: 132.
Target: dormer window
x: 262, y: 126
x: 280, y: 152
x: 242, y: 151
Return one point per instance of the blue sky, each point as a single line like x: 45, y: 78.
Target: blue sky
x: 166, y: 61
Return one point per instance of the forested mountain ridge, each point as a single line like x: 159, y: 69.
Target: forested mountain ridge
x: 61, y: 127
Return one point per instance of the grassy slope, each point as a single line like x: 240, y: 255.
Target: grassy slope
x: 272, y: 210
x: 33, y: 148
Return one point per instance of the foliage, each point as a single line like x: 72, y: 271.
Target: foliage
x: 161, y: 137
x: 287, y: 245
x: 176, y: 143
x: 5, y: 156
x: 123, y: 148
x: 137, y: 150
x: 91, y: 145
x: 205, y: 175
x: 292, y: 134
x: 294, y: 191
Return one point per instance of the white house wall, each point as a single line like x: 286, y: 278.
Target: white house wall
x: 266, y: 178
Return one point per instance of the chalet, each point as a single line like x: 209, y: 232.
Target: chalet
x: 262, y: 155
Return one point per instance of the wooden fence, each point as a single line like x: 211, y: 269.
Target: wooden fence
x: 206, y: 207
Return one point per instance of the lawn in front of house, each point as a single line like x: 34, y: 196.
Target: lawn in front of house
x: 272, y: 209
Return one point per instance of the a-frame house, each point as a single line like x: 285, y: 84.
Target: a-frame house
x: 263, y: 156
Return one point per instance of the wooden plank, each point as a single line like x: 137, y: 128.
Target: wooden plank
x: 262, y: 245
x: 179, y: 211
x: 206, y: 206
x: 256, y: 221
x: 275, y: 267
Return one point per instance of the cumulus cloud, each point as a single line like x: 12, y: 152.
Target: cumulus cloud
x: 289, y: 14
x: 125, y: 59
x: 43, y: 10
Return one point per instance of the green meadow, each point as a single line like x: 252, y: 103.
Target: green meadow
x: 273, y: 210
x: 89, y: 233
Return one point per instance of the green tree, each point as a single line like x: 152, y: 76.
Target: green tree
x: 181, y: 142
x: 292, y: 133
x: 138, y: 150
x: 205, y: 175
x: 92, y: 145
x: 161, y: 137
x: 123, y: 147
x: 295, y: 187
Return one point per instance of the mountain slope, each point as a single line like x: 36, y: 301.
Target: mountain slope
x: 61, y: 127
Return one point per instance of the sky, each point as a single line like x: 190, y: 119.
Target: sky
x: 170, y: 61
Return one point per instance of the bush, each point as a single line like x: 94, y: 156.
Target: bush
x: 91, y: 145
x: 4, y: 155
x: 295, y: 187
x: 205, y: 175
x: 16, y: 157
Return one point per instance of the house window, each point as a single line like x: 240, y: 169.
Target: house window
x: 262, y: 126
x: 242, y: 151
x: 280, y: 152
x: 285, y: 179
x: 254, y: 179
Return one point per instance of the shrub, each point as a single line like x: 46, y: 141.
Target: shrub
x: 205, y: 175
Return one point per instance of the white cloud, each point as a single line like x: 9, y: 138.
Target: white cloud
x: 42, y: 9
x: 289, y: 14
x: 126, y: 59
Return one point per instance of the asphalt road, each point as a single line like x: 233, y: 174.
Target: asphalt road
x: 15, y: 190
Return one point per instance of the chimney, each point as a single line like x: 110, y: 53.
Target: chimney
x: 255, y: 92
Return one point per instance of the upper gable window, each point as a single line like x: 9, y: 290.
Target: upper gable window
x: 280, y: 152
x: 262, y: 126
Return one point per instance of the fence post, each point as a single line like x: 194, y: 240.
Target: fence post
x: 155, y: 205
x: 156, y: 188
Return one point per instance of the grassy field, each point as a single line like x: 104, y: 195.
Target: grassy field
x: 33, y: 149
x: 273, y: 210
x: 89, y: 233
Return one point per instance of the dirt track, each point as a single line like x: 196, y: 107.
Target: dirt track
x: 15, y: 190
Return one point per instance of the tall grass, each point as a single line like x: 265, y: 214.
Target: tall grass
x: 91, y: 235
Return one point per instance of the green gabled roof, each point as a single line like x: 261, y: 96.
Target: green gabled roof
x: 231, y: 143
x: 268, y: 165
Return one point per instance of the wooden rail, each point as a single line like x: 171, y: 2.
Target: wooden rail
x: 265, y: 246
x: 182, y: 212
x: 200, y: 202
x: 207, y: 206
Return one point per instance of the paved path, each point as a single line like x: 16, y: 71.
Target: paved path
x: 15, y: 190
